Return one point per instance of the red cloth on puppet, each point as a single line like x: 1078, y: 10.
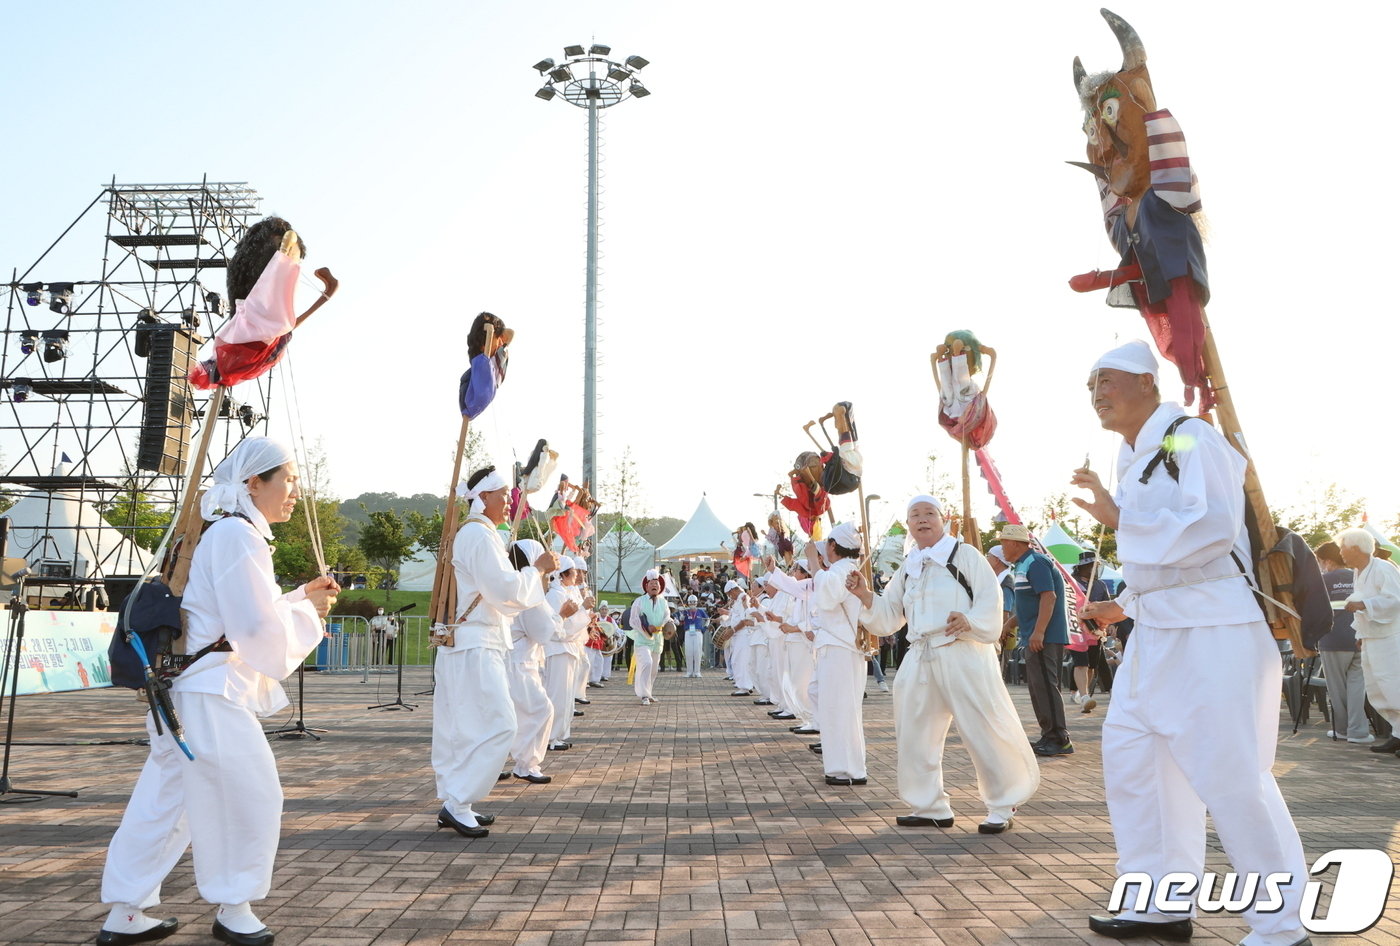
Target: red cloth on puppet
x: 975, y: 426
x: 1178, y: 326
x: 810, y: 505
x: 569, y: 524
x: 256, y: 337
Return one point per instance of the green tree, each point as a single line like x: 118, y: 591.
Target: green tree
x: 135, y: 516
x: 294, y: 558
x: 1330, y: 510
x: 387, y: 542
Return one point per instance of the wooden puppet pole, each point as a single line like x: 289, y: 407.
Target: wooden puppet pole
x: 1277, y: 577
x: 188, y: 518
x: 443, y: 585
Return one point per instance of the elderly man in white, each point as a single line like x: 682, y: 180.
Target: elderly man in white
x: 473, y: 715
x: 1194, y: 720
x: 1375, y: 606
x: 952, y: 601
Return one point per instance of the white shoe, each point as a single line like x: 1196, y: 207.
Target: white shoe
x: 1364, y: 741
x: 884, y: 687
x: 1077, y: 698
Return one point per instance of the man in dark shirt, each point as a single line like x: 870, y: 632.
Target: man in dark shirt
x: 1042, y: 618
x: 1341, y: 661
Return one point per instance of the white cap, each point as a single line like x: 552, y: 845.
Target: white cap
x: 924, y: 498
x: 581, y: 564
x: 846, y: 535
x: 1134, y: 357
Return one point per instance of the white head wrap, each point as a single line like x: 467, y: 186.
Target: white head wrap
x: 847, y: 536
x: 653, y: 574
x: 230, y: 490
x: 492, y: 482
x: 924, y: 498
x: 531, y: 549
x: 997, y: 552
x: 732, y: 585
x: 581, y: 564
x: 1134, y: 357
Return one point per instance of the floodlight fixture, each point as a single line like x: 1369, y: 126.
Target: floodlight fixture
x: 61, y: 297
x: 593, y: 92
x: 191, y: 318
x: 599, y: 49
x: 28, y: 341
x: 33, y: 292
x: 637, y: 62
x: 638, y: 90
x: 214, y: 303
x: 546, y: 93
x: 544, y: 65
x: 55, y: 345
x: 572, y: 51
x: 141, y: 345
x: 561, y: 74
x: 248, y: 417
x: 21, y: 391
x: 618, y: 74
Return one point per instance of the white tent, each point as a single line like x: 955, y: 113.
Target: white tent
x: 702, y: 536
x: 416, y: 574
x: 622, y: 557
x: 68, y: 537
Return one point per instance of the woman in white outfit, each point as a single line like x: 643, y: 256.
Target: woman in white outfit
x: 227, y: 803
x: 534, y: 713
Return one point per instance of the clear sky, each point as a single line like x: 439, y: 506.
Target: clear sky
x: 813, y: 195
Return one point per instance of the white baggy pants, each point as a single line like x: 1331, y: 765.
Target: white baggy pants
x: 798, y: 681
x: 694, y: 641
x: 1192, y: 728
x: 959, y: 682
x: 1380, y: 664
x: 534, y: 715
x: 777, y: 671
x: 473, y: 725
x: 760, y: 680
x: 226, y: 804
x: 581, y: 666
x: 648, y: 663
x: 840, y: 678
x: 596, y: 664
x: 558, y: 683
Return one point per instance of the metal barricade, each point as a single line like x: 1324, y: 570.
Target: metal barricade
x: 343, y: 650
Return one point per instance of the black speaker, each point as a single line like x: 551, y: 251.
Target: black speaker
x: 165, y: 422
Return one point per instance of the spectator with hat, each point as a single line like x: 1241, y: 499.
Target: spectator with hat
x: 1043, y: 630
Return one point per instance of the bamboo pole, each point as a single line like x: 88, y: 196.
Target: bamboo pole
x: 444, y: 586
x: 1278, y: 575
x: 188, y: 518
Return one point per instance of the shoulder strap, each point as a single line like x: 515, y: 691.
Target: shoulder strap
x: 953, y: 570
x: 1166, y: 455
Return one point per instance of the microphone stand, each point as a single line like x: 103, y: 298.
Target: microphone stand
x: 398, y: 702
x: 298, y: 728
x: 18, y: 610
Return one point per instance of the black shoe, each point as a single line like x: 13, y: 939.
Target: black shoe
x: 503, y: 776
x: 263, y: 937
x: 784, y: 716
x: 841, y: 780
x: 1118, y: 928
x: 535, y: 779
x: 560, y: 746
x: 742, y: 693
x: 816, y: 747
x: 994, y: 827
x: 580, y: 700
x: 762, y: 702
x: 160, y: 931
x: 1037, y: 743
x: 578, y: 712
x: 804, y: 730
x: 445, y: 820
x: 918, y: 821
x: 600, y: 685
x: 1051, y: 748
x: 594, y: 686
x: 1390, y: 745
x: 485, y: 820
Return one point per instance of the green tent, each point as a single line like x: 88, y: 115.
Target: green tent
x: 1062, y: 545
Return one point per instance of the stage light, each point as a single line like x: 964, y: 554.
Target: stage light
x: 214, y: 303
x: 598, y: 49
x: 55, y: 345
x: 562, y: 74
x: 21, y: 391
x: 33, y: 292
x: 617, y: 73
x: 638, y: 90
x: 191, y: 319
x: 544, y: 65
x: 546, y: 93
x: 248, y: 417
x: 141, y: 345
x: 573, y: 50
x: 28, y: 341
x: 637, y: 62
x: 61, y: 297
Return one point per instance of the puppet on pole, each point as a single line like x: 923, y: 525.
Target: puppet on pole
x: 964, y: 411
x: 1137, y: 154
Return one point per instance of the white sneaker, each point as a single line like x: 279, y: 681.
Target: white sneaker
x: 1077, y: 698
x: 1364, y: 741
x: 1331, y: 734
x: 884, y: 687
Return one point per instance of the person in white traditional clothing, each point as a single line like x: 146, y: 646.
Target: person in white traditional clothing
x: 952, y: 602
x: 559, y: 653
x: 1374, y: 604
x: 736, y: 648
x: 797, y: 639
x: 227, y: 803
x: 649, y: 614
x: 693, y: 620
x: 764, y: 627
x: 779, y: 605
x: 840, y: 666
x: 534, y: 713
x: 1172, y: 753
x: 582, y: 662
x: 474, y: 721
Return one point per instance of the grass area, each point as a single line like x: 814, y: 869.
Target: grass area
x: 390, y: 600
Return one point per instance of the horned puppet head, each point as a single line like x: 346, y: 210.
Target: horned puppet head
x: 1115, y: 104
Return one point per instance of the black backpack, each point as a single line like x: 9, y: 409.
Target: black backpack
x: 1310, y: 598
x: 153, y: 611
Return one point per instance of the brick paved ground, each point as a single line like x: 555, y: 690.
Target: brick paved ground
x: 696, y: 822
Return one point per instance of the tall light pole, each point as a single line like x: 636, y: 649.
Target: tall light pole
x: 606, y: 84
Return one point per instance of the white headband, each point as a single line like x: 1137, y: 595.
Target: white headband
x: 230, y: 490
x: 492, y: 482
x: 924, y: 498
x: 1134, y: 357
x: 847, y: 536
